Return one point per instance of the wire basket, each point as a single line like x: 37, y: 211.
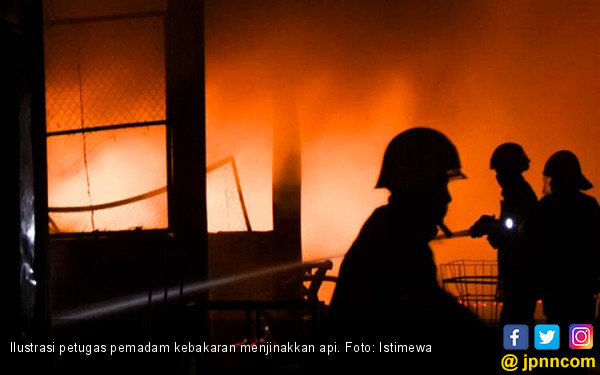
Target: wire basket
x: 474, y: 284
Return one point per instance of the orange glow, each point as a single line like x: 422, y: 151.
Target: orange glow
x: 481, y: 72
x: 120, y: 164
x: 95, y: 78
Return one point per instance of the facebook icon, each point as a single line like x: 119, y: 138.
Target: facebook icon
x: 516, y: 337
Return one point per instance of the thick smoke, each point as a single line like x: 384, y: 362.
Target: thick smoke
x: 483, y: 72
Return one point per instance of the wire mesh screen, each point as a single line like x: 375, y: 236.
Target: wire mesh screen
x: 225, y: 205
x: 96, y: 169
x: 106, y: 127
x: 474, y: 284
x: 104, y: 73
x: 105, y: 113
x: 114, y: 218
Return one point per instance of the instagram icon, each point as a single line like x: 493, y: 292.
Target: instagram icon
x: 581, y: 336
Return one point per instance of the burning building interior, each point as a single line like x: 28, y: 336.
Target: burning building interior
x: 222, y: 155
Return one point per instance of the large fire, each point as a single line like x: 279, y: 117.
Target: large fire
x: 483, y: 73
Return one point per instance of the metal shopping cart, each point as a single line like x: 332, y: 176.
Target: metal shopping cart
x: 474, y: 283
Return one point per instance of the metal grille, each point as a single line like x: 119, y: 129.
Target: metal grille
x: 150, y: 210
x: 115, y: 166
x: 106, y: 127
x: 226, y: 208
x: 104, y: 73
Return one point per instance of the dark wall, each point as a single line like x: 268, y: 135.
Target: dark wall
x: 89, y: 269
x: 94, y: 268
x: 238, y: 254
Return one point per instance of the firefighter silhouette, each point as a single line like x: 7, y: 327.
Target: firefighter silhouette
x: 569, y: 223
x: 387, y: 284
x: 513, y: 235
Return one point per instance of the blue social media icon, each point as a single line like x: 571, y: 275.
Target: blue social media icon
x: 516, y: 337
x: 546, y: 337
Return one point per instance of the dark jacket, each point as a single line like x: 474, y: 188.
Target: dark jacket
x: 389, y: 272
x: 570, y: 243
x: 569, y: 226
x: 516, y: 245
x: 387, y: 291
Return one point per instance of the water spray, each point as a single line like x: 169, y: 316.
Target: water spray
x: 139, y: 300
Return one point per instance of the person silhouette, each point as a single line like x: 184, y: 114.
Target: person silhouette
x: 569, y: 221
x: 513, y: 235
x: 387, y: 285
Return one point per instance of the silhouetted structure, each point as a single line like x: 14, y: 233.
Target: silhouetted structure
x: 513, y: 235
x: 569, y: 223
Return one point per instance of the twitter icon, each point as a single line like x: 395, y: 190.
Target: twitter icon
x: 546, y: 336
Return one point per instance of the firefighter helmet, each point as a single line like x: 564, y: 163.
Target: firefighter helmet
x: 418, y: 157
x: 509, y: 156
x: 564, y: 165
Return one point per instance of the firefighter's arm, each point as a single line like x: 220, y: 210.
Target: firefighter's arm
x: 495, y: 236
x: 483, y: 226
